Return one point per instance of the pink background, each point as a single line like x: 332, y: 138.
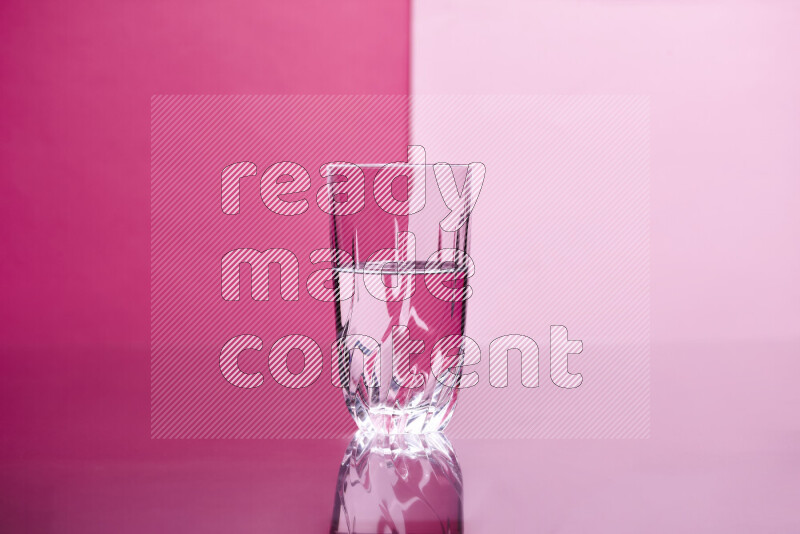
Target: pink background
x: 76, y: 85
x: 193, y: 139
x: 561, y: 236
x: 724, y: 120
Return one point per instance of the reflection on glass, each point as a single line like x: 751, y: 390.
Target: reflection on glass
x: 403, y: 484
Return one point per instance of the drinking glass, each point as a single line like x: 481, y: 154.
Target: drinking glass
x: 401, y: 281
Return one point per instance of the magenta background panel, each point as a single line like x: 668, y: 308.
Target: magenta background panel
x: 195, y: 137
x: 77, y: 84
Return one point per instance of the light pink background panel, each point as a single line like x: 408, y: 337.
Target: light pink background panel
x: 723, y: 80
x: 560, y: 236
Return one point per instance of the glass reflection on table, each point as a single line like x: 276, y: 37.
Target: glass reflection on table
x: 404, y: 484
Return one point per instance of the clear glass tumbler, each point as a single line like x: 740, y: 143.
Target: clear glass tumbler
x: 402, y: 283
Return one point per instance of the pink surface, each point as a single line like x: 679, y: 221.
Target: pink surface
x: 76, y: 83
x: 723, y: 460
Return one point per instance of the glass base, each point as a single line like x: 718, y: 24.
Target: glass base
x: 388, y: 421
